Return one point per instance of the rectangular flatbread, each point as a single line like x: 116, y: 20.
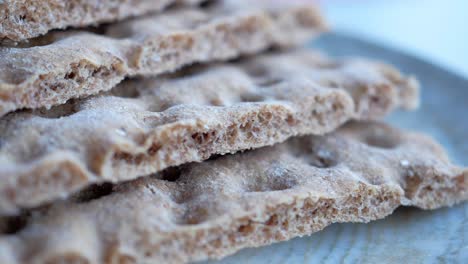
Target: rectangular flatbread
x: 362, y: 172
x: 66, y: 65
x: 23, y: 20
x: 144, y: 126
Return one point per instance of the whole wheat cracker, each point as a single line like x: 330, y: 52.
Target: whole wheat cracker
x: 21, y: 20
x: 144, y: 126
x: 212, y: 209
x: 68, y: 65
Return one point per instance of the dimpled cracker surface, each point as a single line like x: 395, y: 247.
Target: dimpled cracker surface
x: 144, y: 126
x: 212, y: 209
x: 24, y: 19
x: 65, y: 65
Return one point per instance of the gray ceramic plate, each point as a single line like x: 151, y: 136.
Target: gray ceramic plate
x: 409, y: 235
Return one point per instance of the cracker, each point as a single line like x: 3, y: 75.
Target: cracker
x: 22, y: 20
x: 144, y: 126
x: 147, y: 125
x: 215, y: 208
x: 68, y: 65
x: 376, y: 87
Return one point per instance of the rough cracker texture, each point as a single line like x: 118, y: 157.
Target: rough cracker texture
x: 213, y: 209
x: 77, y: 64
x: 24, y: 19
x: 148, y: 125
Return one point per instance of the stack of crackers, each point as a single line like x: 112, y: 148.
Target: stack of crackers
x: 156, y: 131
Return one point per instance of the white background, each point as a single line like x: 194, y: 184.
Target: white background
x: 436, y: 30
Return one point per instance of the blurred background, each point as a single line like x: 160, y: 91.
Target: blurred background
x: 435, y: 30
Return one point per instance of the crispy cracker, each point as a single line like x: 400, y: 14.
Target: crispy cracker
x: 77, y: 64
x: 212, y: 209
x: 147, y: 125
x: 22, y: 20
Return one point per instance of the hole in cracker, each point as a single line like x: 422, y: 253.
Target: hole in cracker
x: 264, y: 80
x: 130, y: 90
x: 323, y: 158
x: 207, y: 3
x: 79, y: 72
x: 246, y: 229
x: 315, y: 151
x: 262, y: 75
x: 93, y: 192
x: 187, y: 71
x: 215, y: 157
x: 216, y: 102
x: 82, y: 73
x: 281, y: 185
x: 34, y: 42
x: 381, y: 140
x: 376, y: 135
x: 276, y: 182
x: 256, y: 71
x: 22, y: 17
x: 171, y: 174
x: 413, y: 185
x: 10, y: 225
x: 268, y: 81
x: 64, y: 110
x: 203, y: 138
x: 251, y: 98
